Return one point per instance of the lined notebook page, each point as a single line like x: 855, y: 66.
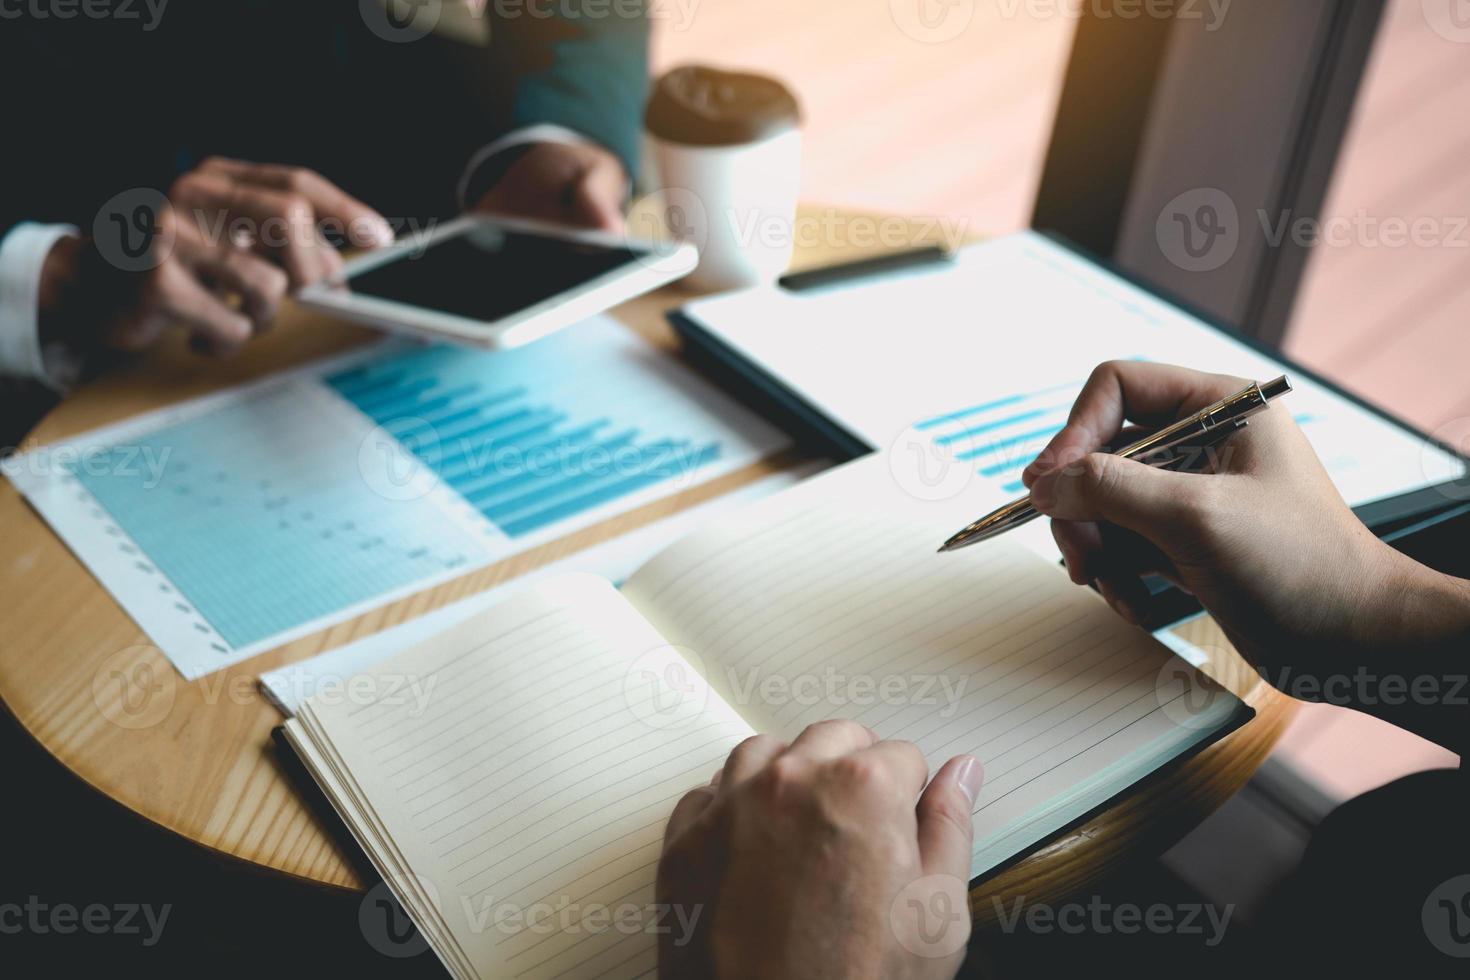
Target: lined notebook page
x: 536, y: 780
x: 830, y: 601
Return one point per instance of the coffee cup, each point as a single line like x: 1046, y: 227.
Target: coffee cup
x: 726, y: 155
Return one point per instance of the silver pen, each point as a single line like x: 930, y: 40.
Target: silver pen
x: 1206, y: 427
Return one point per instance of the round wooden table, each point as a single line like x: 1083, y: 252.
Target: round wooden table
x: 197, y: 757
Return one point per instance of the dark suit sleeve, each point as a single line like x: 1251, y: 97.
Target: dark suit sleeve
x: 585, y: 68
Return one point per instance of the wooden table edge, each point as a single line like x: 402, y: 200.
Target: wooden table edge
x: 1089, y: 853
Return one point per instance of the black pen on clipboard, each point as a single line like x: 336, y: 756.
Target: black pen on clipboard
x: 847, y: 273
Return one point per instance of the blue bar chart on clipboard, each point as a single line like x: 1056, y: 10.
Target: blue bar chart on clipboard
x: 234, y: 523
x: 964, y: 371
x: 1000, y: 437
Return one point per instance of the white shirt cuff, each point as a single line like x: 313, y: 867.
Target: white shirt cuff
x: 22, y: 257
x: 539, y: 133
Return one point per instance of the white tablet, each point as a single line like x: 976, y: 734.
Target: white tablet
x: 497, y: 282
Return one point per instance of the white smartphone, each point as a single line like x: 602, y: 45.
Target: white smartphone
x: 497, y: 282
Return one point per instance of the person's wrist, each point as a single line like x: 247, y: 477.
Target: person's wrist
x: 489, y: 173
x: 59, y: 292
x: 82, y: 296
x: 1407, y: 654
x: 1428, y: 609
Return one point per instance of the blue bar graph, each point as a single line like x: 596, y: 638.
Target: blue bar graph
x: 525, y: 455
x: 230, y: 524
x: 259, y: 520
x: 995, y: 447
x: 986, y: 407
x: 1002, y: 435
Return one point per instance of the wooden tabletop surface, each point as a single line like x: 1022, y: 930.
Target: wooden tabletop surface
x: 197, y: 757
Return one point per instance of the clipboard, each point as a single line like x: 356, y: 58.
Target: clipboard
x: 1404, y: 519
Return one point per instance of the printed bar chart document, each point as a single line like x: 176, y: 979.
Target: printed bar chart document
x: 968, y: 369
x: 234, y: 523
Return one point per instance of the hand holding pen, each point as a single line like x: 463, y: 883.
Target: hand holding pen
x: 1165, y: 449
x: 1264, y: 541
x: 1238, y: 538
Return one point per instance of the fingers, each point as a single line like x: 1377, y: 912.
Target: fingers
x: 903, y: 762
x: 364, y: 226
x: 1093, y: 551
x: 1126, y: 594
x: 1114, y: 560
x: 748, y: 758
x: 946, y: 821
x: 827, y: 741
x: 687, y: 811
x: 1079, y: 542
x: 1149, y: 501
x: 183, y: 300
x: 282, y: 210
x: 597, y: 197
x: 564, y: 183
x: 218, y: 294
x: 280, y: 225
x: 1121, y: 391
x: 260, y: 285
x: 222, y: 212
x: 832, y: 739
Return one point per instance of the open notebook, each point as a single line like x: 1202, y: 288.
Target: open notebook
x: 518, y: 807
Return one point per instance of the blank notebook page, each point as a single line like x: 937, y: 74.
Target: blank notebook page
x: 830, y: 601
x: 530, y: 780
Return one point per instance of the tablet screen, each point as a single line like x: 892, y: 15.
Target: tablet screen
x: 489, y: 273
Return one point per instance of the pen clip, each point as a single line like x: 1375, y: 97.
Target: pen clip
x: 1174, y: 455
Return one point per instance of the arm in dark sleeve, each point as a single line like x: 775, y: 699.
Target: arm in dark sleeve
x: 585, y: 68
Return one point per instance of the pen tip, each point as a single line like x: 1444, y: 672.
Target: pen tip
x: 944, y: 548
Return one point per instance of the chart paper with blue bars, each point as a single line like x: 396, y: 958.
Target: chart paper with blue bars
x: 999, y: 437
x: 962, y: 373
x: 232, y: 524
x: 526, y: 455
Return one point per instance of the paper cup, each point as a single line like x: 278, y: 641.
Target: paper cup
x: 727, y: 156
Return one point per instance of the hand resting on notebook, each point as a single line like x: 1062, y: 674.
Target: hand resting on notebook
x: 825, y: 858
x: 1263, y: 539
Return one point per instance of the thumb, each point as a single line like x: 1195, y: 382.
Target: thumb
x: 946, y: 817
x: 1102, y: 487
x: 596, y: 197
